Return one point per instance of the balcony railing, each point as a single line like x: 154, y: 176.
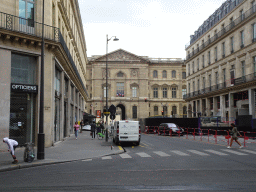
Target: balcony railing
x: 27, y: 26
x: 234, y: 23
x: 33, y: 28
x: 230, y: 83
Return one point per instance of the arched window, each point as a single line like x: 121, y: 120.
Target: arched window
x: 155, y: 74
x: 155, y: 110
x: 164, y: 74
x: 174, y: 110
x: 173, y: 74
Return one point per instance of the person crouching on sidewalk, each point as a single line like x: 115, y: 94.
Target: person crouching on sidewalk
x: 76, y: 128
x: 12, y: 144
x: 234, y: 132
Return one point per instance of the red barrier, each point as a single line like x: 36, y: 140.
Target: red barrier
x: 154, y: 130
x: 171, y: 132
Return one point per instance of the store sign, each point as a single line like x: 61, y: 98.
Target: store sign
x: 98, y: 113
x: 24, y: 88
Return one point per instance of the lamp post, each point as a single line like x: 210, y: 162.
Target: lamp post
x: 106, y: 126
x: 40, y: 140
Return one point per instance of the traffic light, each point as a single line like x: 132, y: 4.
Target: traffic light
x: 112, y: 110
x: 146, y: 100
x: 162, y: 112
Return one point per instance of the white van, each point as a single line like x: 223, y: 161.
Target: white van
x: 126, y: 131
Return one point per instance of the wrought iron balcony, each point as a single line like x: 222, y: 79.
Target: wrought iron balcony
x: 32, y: 28
x: 224, y: 85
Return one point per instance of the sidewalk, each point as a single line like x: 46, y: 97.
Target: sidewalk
x: 69, y: 150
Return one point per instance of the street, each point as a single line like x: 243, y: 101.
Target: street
x: 160, y: 163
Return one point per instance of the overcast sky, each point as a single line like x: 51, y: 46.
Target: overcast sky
x: 154, y: 28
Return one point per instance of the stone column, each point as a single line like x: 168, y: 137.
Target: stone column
x: 231, y: 108
x: 215, y: 108
x: 62, y: 89
x: 222, y: 106
x: 207, y: 103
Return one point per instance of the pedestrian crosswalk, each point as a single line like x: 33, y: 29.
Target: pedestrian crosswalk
x: 189, y: 152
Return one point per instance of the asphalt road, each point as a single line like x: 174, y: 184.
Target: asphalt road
x: 158, y: 164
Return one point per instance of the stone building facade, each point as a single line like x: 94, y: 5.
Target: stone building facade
x: 221, y: 63
x: 20, y: 60
x: 138, y: 86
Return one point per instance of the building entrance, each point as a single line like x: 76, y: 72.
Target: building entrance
x: 122, y: 107
x: 22, y: 117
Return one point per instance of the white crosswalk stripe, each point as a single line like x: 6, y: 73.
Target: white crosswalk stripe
x: 234, y: 152
x: 249, y: 151
x: 125, y: 156
x: 198, y: 152
x: 215, y: 152
x: 143, y: 154
x: 162, y: 154
x: 180, y: 153
x: 107, y: 157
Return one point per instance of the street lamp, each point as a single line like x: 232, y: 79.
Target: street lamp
x: 40, y: 139
x: 108, y: 39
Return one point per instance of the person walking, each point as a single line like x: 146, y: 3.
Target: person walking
x: 12, y: 144
x: 76, y: 128
x: 93, y: 127
x: 234, y: 133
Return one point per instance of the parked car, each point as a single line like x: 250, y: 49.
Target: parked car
x: 86, y: 128
x: 164, y: 128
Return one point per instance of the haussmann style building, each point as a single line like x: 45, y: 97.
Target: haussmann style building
x: 221, y: 63
x: 65, y: 62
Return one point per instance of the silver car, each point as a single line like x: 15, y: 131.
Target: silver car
x: 170, y: 128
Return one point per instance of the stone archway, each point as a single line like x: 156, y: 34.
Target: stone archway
x: 122, y: 107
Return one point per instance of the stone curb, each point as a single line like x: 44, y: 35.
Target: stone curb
x: 35, y: 164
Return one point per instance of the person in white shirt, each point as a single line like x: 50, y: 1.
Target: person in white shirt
x: 12, y: 144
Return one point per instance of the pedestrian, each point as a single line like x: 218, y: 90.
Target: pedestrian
x: 12, y: 144
x: 76, y: 128
x: 234, y: 133
x: 93, y: 127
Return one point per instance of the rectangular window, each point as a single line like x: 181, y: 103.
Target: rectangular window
x: 26, y: 12
x: 203, y: 60
x: 134, y: 91
x: 224, y: 77
x: 183, y: 75
x: 242, y: 39
x: 232, y: 44
x: 66, y: 87
x: 72, y: 92
x: 155, y: 93
x: 243, y: 68
x: 193, y: 69
x: 223, y: 49
x: 120, y: 89
x: 23, y: 69
x: 242, y: 15
x: 254, y: 65
x: 254, y: 32
x: 57, y: 80
x: 164, y: 92
x: 198, y: 64
x: 217, y: 78
x: 184, y: 92
x: 216, y: 53
x: 134, y: 112
x: 198, y: 84
x: 174, y: 92
x: 204, y: 83
x: 209, y: 57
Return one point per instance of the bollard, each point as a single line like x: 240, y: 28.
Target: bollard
x: 171, y: 132
x: 228, y: 137
x: 194, y: 134
x: 244, y: 139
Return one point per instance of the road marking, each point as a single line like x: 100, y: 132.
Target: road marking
x: 179, y: 153
x: 235, y: 152
x: 125, y: 156
x: 120, y: 147
x: 143, y: 154
x: 107, y: 157
x: 162, y: 154
x: 249, y: 151
x: 216, y: 152
x: 198, y: 152
x: 87, y: 160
